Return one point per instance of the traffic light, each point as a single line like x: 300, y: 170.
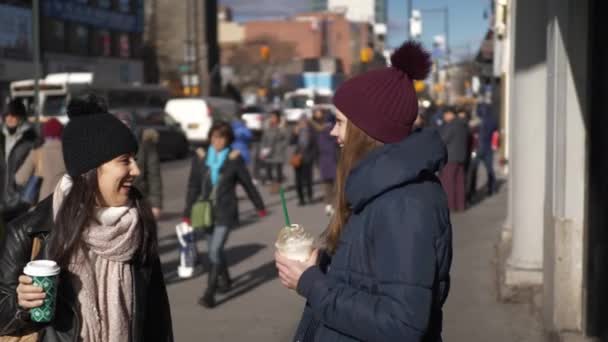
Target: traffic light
x: 419, y: 86
x: 366, y: 55
x: 265, y: 52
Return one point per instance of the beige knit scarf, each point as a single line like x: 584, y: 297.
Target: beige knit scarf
x: 101, y: 274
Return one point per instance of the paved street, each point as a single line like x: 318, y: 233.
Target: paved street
x: 260, y: 309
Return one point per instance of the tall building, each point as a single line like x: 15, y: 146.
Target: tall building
x: 15, y: 45
x: 103, y: 37
x: 316, y: 35
x: 371, y: 11
x: 185, y: 35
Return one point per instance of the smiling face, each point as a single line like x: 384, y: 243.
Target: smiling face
x: 115, y: 179
x: 339, y: 130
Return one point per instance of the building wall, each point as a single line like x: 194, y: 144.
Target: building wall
x: 356, y: 10
x: 345, y: 39
x: 15, y: 46
x: 305, y: 35
x: 557, y: 131
x: 231, y: 33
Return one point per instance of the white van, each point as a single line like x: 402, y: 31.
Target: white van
x: 196, y: 115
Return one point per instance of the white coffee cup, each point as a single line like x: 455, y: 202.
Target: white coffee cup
x: 41, y: 268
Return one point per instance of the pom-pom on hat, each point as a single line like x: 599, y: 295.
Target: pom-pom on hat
x: 93, y: 136
x: 383, y: 102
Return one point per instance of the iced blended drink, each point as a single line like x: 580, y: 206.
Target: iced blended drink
x: 45, y: 274
x: 295, y: 243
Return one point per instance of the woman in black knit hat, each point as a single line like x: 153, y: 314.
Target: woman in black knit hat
x: 101, y: 234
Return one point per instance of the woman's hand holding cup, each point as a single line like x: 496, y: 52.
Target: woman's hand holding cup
x: 29, y: 296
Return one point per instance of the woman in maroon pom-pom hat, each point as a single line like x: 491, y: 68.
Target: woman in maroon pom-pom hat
x: 384, y: 274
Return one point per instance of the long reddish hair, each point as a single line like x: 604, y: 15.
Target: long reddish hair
x: 357, y: 145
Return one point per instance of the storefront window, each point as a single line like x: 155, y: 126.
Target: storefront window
x: 107, y: 4
x: 79, y: 40
x: 54, y: 36
x: 123, y: 6
x: 102, y: 43
x: 123, y: 45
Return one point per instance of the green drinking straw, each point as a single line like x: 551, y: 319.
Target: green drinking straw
x: 284, y: 203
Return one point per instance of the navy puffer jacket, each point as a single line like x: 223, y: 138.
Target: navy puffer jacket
x: 389, y: 276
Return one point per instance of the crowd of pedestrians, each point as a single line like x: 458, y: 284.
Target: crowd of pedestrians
x: 90, y: 195
x: 470, y: 134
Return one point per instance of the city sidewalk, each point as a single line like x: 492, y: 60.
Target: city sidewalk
x: 472, y: 312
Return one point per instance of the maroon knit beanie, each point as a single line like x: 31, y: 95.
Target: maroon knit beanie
x: 52, y: 128
x: 383, y: 102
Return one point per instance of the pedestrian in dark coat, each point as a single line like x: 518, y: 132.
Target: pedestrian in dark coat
x: 150, y: 182
x: 386, y: 274
x: 305, y: 140
x: 455, y: 134
x: 102, y: 235
x: 219, y: 170
x: 328, y: 155
x: 485, y: 152
x: 17, y: 139
x: 273, y: 150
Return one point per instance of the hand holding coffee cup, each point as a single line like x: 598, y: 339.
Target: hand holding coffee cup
x: 290, y: 270
x: 28, y: 295
x: 41, y: 274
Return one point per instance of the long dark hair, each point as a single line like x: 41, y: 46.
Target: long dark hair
x: 356, y: 146
x: 78, y: 211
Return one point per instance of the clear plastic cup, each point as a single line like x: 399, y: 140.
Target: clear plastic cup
x: 295, y: 243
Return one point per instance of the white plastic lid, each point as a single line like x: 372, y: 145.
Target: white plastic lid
x: 41, y: 268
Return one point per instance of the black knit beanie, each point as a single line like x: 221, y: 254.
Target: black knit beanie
x: 93, y: 136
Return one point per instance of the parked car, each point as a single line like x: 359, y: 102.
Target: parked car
x: 172, y: 143
x: 254, y: 117
x: 196, y: 115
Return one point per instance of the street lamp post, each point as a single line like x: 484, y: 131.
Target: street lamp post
x: 409, y: 19
x: 36, y: 57
x: 445, y: 11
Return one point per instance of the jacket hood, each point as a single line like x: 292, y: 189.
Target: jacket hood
x: 395, y: 165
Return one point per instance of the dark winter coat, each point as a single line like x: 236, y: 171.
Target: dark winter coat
x: 233, y: 172
x: 487, y: 128
x: 151, y: 311
x: 455, y: 135
x: 389, y: 276
x: 10, y: 192
x: 327, y: 150
x: 150, y: 182
x: 306, y: 144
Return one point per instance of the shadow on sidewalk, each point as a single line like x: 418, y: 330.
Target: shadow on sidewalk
x: 249, y: 281
x: 234, y: 255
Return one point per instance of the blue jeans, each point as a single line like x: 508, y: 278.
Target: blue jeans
x: 216, y: 239
x: 487, y: 159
